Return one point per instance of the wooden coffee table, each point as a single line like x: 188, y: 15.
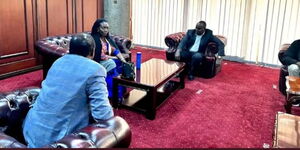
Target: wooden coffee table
x: 292, y: 91
x: 154, y: 83
x: 287, y: 131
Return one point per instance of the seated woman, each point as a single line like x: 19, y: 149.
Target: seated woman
x: 107, y: 52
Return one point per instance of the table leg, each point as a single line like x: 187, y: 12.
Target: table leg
x: 288, y: 106
x: 152, y: 96
x: 115, y: 101
x: 182, y: 84
x: 290, y: 99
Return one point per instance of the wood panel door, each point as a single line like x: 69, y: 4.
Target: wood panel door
x: 54, y: 17
x: 25, y: 21
x: 57, y: 17
x: 86, y: 13
x: 16, y: 36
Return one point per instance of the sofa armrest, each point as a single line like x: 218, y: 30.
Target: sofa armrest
x: 46, y: 48
x: 282, y: 50
x: 13, y: 110
x: 9, y: 142
x: 15, y: 105
x: 54, y: 46
x: 211, y: 49
x: 222, y: 38
x: 173, y: 40
x: 123, y: 43
x: 114, y: 132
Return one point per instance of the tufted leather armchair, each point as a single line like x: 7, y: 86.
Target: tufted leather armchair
x: 14, y: 106
x: 210, y: 66
x: 283, y: 70
x: 53, y: 47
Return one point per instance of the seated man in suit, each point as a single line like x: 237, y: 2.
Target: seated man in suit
x: 192, y: 47
x: 74, y: 89
x: 291, y: 58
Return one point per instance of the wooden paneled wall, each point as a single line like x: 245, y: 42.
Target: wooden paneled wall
x: 25, y: 21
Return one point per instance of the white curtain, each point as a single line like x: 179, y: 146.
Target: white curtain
x: 255, y: 29
x: 153, y: 19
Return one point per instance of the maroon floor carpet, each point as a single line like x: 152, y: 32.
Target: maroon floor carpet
x: 235, y: 109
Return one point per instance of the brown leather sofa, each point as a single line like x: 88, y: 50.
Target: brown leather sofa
x: 14, y: 106
x: 283, y: 70
x: 53, y: 47
x: 212, y: 63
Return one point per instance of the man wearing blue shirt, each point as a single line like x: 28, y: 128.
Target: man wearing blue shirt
x: 74, y: 89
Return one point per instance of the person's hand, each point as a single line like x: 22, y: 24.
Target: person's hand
x: 111, y: 57
x: 177, y: 54
x: 113, y: 48
x: 122, y: 59
x: 125, y: 55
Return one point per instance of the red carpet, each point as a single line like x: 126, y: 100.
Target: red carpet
x: 236, y: 109
x: 26, y: 80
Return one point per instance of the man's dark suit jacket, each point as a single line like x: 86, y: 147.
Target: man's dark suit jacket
x: 292, y: 54
x: 189, y: 39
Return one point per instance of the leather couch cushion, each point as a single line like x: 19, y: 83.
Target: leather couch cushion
x: 9, y: 142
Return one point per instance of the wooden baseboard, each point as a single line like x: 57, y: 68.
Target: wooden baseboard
x: 11, y: 74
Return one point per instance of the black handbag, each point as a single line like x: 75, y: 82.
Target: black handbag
x: 128, y: 71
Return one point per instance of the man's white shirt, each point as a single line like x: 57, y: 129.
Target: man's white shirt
x: 196, y: 45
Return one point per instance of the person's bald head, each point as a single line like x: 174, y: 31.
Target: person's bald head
x: 82, y: 44
x: 200, y: 27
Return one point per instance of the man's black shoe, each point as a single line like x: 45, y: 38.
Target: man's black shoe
x: 191, y: 77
